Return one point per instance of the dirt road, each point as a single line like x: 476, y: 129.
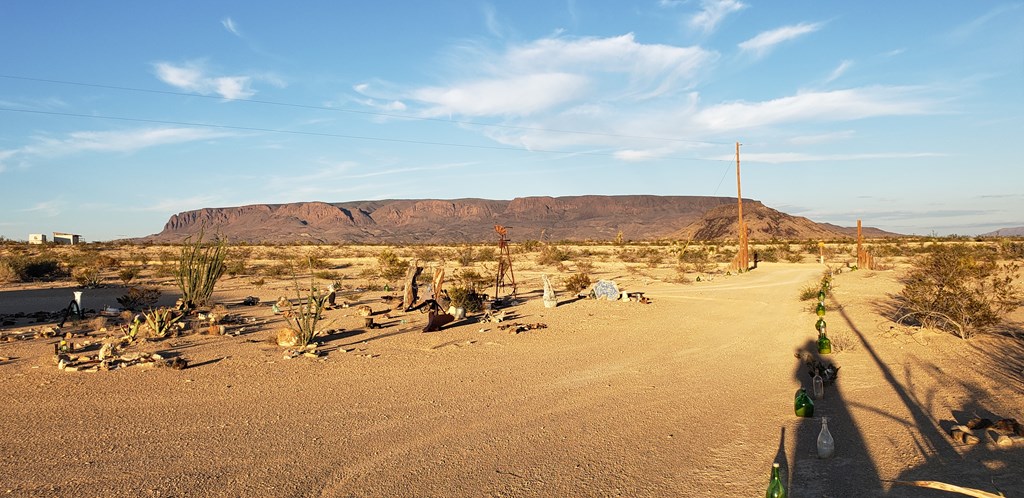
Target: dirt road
x: 691, y: 395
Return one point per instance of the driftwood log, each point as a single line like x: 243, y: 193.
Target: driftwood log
x: 949, y: 487
x: 409, y: 292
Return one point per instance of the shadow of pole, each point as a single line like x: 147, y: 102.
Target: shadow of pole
x: 937, y: 442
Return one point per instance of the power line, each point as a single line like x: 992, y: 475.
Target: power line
x: 329, y: 135
x: 353, y: 111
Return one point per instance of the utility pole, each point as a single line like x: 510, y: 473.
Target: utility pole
x: 743, y: 262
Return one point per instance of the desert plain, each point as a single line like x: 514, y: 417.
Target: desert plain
x: 690, y: 394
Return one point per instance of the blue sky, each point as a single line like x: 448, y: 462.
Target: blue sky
x: 115, y: 115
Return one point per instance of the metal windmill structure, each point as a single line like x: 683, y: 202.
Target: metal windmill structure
x: 505, y: 276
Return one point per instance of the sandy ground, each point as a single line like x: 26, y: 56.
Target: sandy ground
x: 691, y: 395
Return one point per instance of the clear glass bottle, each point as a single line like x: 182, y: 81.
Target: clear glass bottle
x: 775, y: 489
x: 819, y: 386
x: 803, y: 405
x: 826, y: 445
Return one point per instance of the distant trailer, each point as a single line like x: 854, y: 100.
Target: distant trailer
x: 66, y: 238
x: 36, y: 238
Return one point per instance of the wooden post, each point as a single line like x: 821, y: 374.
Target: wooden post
x: 862, y: 260
x: 743, y: 262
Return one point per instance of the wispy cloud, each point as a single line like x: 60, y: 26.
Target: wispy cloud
x: 51, y: 208
x: 839, y: 71
x: 766, y: 41
x: 542, y: 75
x: 713, y: 12
x: 229, y: 24
x: 971, y: 27
x: 491, y: 21
x: 838, y: 105
x: 192, y: 77
x: 119, y: 141
x: 822, y: 138
x: 180, y: 204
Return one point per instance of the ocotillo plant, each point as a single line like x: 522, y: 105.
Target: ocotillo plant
x: 199, y: 268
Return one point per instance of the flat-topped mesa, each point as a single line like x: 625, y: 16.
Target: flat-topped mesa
x: 573, y: 218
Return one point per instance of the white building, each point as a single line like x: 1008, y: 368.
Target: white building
x: 36, y: 238
x: 66, y: 238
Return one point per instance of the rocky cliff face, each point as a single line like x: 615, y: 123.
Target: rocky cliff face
x: 589, y: 217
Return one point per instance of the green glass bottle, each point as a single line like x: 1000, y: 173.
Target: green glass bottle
x: 775, y: 489
x: 803, y: 405
x: 821, y: 296
x: 820, y: 325
x: 820, y: 310
x: 824, y: 344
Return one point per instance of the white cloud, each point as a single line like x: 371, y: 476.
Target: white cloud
x: 229, y: 24
x: 631, y: 155
x: 838, y: 71
x: 838, y: 105
x: 766, y: 41
x: 713, y: 12
x: 517, y: 96
x: 192, y: 77
x: 119, y: 141
x: 822, y: 138
x: 551, y: 72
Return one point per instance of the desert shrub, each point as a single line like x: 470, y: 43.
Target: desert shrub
x: 127, y: 274
x: 8, y: 272
x: 472, y: 280
x: 842, y: 341
x: 278, y: 270
x: 137, y: 298
x: 427, y: 253
x: 327, y: 275
x: 200, y: 266
x: 167, y: 263
x: 465, y: 256
x: 464, y: 297
x: 87, y: 276
x: 699, y: 258
x: 959, y: 289
x: 486, y: 254
x: 21, y: 268
x: 585, y: 266
x: 769, y: 254
x: 551, y: 255
x: 529, y: 245
x: 390, y: 267
x: 1011, y: 249
x: 809, y: 292
x: 577, y: 283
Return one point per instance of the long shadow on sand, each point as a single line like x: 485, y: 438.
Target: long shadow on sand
x: 979, y: 468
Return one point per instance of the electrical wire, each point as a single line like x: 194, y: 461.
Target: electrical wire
x: 353, y: 111
x: 329, y: 135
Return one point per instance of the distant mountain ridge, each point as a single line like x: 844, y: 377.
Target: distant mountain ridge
x: 1006, y: 232
x: 587, y: 217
